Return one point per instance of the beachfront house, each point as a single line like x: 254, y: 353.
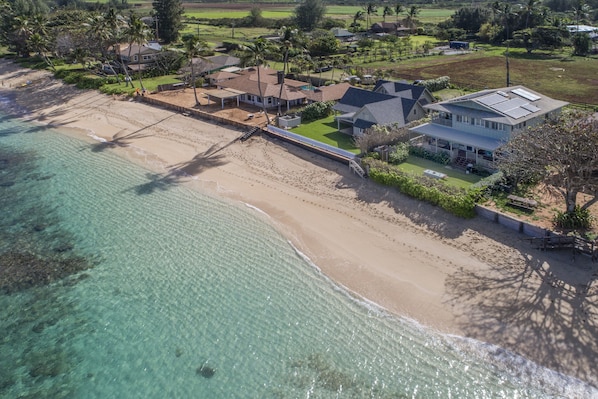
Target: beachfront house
x: 138, y: 58
x: 405, y: 90
x: 270, y: 95
x: 326, y: 93
x: 212, y: 64
x: 360, y: 109
x: 472, y: 127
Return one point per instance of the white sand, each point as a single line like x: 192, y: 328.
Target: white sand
x: 467, y: 277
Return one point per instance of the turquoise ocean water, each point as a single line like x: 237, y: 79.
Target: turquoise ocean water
x: 186, y: 296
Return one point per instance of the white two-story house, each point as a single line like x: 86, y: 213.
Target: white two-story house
x: 472, y: 127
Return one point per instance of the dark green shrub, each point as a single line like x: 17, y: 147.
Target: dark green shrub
x: 400, y: 154
x: 315, y: 111
x: 441, y: 157
x: 580, y: 218
x: 491, y: 183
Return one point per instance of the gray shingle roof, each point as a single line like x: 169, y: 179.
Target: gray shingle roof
x: 355, y: 98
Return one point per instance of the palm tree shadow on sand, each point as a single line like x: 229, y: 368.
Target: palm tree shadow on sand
x: 183, y: 171
x: 548, y: 310
x: 125, y: 140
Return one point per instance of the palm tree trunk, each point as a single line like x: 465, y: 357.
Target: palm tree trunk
x: 126, y: 69
x: 284, y: 69
x: 194, y: 84
x: 139, y: 67
x: 259, y: 87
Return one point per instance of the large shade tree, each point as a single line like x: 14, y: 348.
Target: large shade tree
x: 309, y: 14
x: 169, y: 14
x: 561, y: 152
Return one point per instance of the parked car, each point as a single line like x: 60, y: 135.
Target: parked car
x: 324, y: 68
x: 352, y: 78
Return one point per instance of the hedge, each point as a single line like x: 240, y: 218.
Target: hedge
x: 454, y: 200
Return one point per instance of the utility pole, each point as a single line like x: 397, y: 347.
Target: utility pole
x: 156, y: 19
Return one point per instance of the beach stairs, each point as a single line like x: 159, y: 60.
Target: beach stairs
x: 249, y: 133
x: 356, y: 168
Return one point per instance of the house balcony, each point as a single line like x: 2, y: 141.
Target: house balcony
x: 443, y: 122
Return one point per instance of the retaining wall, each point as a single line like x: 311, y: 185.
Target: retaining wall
x: 512, y: 223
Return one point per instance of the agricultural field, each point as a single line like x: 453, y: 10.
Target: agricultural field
x: 572, y: 79
x: 278, y: 11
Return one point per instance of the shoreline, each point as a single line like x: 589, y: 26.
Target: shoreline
x: 469, y: 278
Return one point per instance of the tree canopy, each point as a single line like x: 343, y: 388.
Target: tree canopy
x: 170, y: 19
x: 561, y: 152
x: 309, y: 14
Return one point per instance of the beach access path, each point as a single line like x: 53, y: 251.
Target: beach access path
x: 472, y: 278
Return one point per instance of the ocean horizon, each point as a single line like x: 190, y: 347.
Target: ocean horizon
x: 141, y: 286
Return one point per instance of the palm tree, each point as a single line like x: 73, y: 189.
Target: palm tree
x: 359, y: 16
x: 370, y: 9
x: 39, y: 44
x: 115, y: 24
x: 288, y: 40
x: 529, y: 9
x: 412, y: 14
x: 104, y: 30
x: 21, y: 30
x: 137, y: 33
x: 256, y: 53
x: 580, y: 10
x: 399, y: 10
x: 193, y: 47
x: 39, y: 41
x: 387, y: 11
x: 337, y: 62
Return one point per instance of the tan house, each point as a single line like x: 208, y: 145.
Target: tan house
x: 270, y: 94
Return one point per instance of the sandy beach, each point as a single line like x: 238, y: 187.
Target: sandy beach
x: 471, y: 278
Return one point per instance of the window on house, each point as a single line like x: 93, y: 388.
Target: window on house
x: 491, y: 125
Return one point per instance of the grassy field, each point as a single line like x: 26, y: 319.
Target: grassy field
x: 278, y: 11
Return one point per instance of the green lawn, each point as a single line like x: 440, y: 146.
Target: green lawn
x: 325, y: 131
x: 416, y: 166
x: 151, y: 84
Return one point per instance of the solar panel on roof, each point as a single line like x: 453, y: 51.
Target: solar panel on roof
x: 510, y: 104
x: 517, y: 113
x: 526, y: 94
x: 491, y: 99
x: 530, y: 107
